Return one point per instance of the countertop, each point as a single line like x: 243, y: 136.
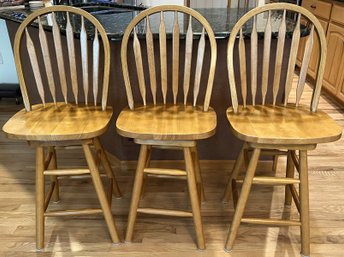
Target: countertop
x: 221, y: 20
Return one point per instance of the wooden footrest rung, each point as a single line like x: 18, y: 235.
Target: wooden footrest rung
x: 272, y: 181
x: 176, y: 143
x: 73, y: 212
x: 167, y: 147
x: 80, y: 176
x: 166, y: 172
x: 273, y: 152
x: 277, y: 222
x: 67, y: 172
x: 167, y: 176
x: 69, y: 147
x: 165, y: 212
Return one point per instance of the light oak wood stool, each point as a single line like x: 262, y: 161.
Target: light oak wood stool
x: 276, y: 123
x: 55, y: 123
x: 176, y: 125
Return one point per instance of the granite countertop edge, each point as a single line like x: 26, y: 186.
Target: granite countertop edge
x: 221, y: 20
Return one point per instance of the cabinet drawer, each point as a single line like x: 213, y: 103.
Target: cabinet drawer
x: 338, y: 13
x: 318, y: 8
x: 307, y: 4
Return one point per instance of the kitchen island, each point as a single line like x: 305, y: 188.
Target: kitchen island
x: 221, y: 146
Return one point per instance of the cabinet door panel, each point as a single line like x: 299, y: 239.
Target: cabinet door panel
x: 340, y: 93
x: 335, y: 58
x: 337, y: 13
x: 313, y: 64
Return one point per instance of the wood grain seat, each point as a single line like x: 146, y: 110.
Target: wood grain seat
x: 61, y: 122
x: 56, y: 122
x: 159, y: 114
x: 267, y: 124
x: 167, y: 122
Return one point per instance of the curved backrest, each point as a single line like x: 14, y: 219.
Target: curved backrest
x: 293, y: 21
x: 162, y: 71
x: 54, y: 55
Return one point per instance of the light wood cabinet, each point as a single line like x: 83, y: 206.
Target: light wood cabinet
x: 340, y: 92
x: 331, y: 17
x: 322, y: 11
x: 313, y: 63
x: 335, y: 59
x: 337, y: 14
x: 334, y: 73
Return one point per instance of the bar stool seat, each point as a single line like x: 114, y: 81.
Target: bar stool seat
x: 282, y: 125
x: 58, y: 122
x: 167, y: 122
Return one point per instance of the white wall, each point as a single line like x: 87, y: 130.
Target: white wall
x: 8, y: 72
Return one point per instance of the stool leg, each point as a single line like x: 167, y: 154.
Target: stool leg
x: 40, y: 195
x: 274, y: 163
x: 53, y: 165
x: 237, y: 166
x: 196, y: 212
x: 289, y: 174
x: 101, y: 194
x: 247, y: 157
x: 304, y: 199
x: 245, y: 190
x: 107, y: 167
x: 135, y: 198
x: 200, y: 186
x: 144, y: 179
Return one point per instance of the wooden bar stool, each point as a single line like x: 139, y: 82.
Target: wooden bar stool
x: 61, y: 123
x: 276, y: 122
x: 178, y: 124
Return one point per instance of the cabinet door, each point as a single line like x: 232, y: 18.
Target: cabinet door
x: 335, y: 58
x: 320, y: 9
x: 313, y: 64
x: 340, y: 90
x: 301, y: 49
